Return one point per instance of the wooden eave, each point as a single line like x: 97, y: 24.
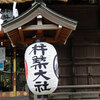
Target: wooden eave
x: 16, y: 35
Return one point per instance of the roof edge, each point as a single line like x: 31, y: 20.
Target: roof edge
x: 70, y: 22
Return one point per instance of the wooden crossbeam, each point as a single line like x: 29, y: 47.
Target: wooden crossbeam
x: 31, y: 40
x: 40, y: 27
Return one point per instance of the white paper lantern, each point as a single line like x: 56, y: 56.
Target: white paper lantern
x: 41, y: 66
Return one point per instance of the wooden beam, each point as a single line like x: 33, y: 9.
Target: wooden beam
x: 40, y: 27
x: 31, y: 40
x: 28, y: 41
x: 50, y: 40
x: 21, y: 34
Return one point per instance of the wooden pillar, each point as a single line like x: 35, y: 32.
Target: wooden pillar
x: 14, y: 72
x: 11, y: 69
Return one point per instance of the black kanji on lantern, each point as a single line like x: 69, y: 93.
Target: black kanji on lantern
x: 41, y: 73
x: 39, y: 62
x: 36, y: 48
x: 41, y: 87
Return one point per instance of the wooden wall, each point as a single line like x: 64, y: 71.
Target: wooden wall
x: 86, y: 57
x: 79, y: 59
x: 65, y: 63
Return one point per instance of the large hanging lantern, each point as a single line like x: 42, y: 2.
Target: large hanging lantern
x: 41, y: 66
